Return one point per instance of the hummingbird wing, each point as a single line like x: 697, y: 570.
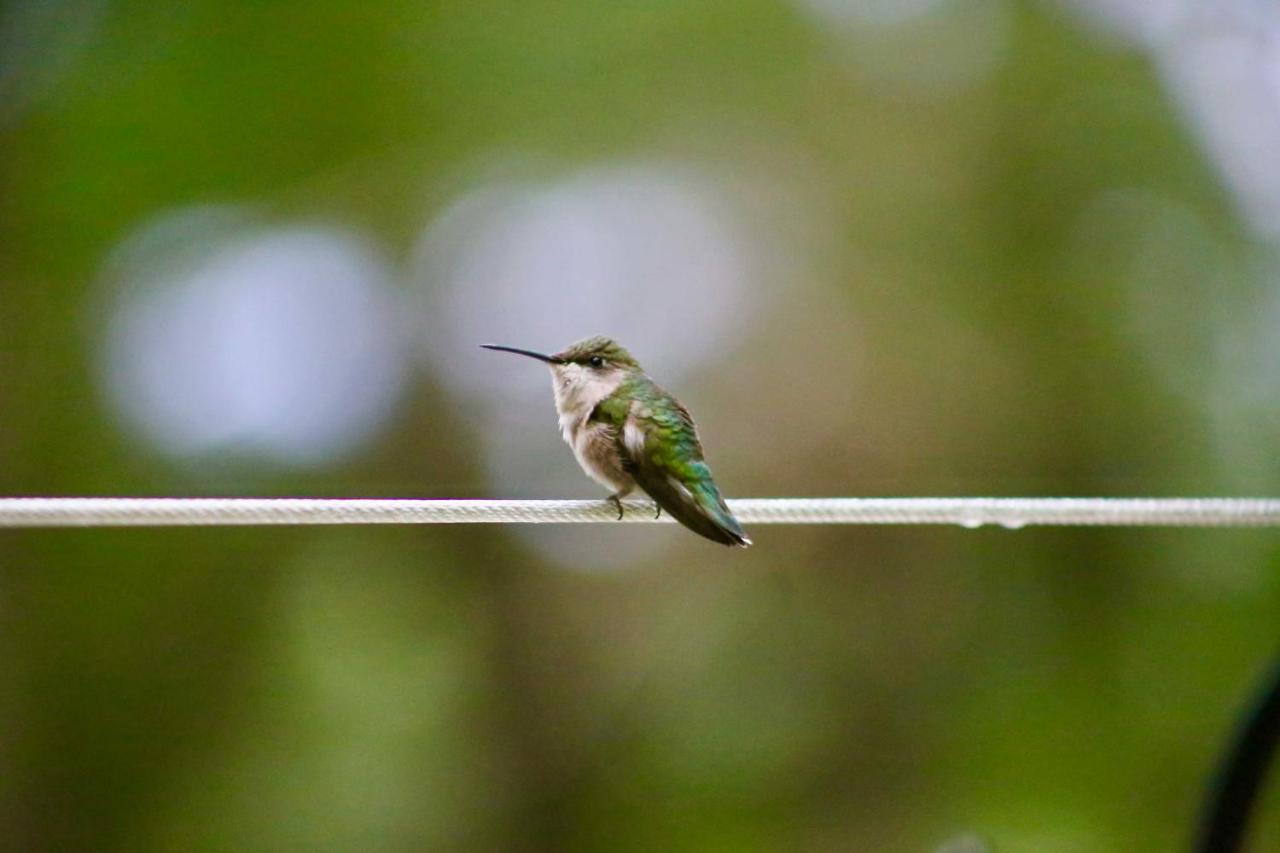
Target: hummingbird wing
x: 660, y: 449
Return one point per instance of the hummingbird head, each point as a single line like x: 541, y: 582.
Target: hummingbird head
x: 598, y: 353
x: 585, y: 372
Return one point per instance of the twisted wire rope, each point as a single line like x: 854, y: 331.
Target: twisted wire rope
x: 1011, y: 512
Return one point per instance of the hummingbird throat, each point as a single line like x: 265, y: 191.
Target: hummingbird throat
x: 580, y: 389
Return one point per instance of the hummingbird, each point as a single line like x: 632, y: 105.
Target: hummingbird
x: 626, y: 431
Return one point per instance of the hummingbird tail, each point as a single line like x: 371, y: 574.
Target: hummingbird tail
x: 700, y: 508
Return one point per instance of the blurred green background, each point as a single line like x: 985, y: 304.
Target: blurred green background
x: 936, y: 247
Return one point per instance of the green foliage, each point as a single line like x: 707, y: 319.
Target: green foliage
x: 971, y: 264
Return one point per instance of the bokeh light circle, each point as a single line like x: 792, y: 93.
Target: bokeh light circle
x: 226, y: 336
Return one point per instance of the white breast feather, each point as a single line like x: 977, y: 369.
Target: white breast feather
x: 578, y: 391
x: 633, y: 438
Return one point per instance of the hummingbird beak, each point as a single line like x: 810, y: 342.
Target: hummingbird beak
x: 549, y: 359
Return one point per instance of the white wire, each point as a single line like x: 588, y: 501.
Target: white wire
x: 968, y: 512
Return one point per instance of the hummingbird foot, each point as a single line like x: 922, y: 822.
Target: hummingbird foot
x: 658, y: 514
x: 617, y: 501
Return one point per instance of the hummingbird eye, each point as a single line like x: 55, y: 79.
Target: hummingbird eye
x: 596, y: 361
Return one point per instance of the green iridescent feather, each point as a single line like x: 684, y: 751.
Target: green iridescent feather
x: 671, y: 467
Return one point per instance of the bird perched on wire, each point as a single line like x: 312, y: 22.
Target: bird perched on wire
x: 626, y: 431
